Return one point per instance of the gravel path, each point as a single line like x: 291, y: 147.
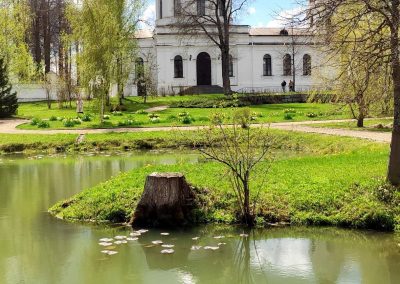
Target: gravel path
x: 9, y: 127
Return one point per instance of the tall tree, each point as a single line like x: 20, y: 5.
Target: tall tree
x: 8, y: 99
x: 105, y: 30
x: 14, y: 24
x: 213, y: 19
x: 377, y: 24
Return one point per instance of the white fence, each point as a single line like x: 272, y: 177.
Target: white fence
x: 31, y: 92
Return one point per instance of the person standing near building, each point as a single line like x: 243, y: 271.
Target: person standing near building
x: 283, y: 84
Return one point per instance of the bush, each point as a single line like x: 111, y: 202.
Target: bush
x: 60, y: 118
x: 153, y: 115
x: 68, y: 122
x: 289, y: 110
x: 86, y: 117
x: 53, y: 118
x: 8, y: 99
x: 35, y: 121
x: 288, y: 116
x: 77, y: 121
x: 186, y: 119
x: 43, y: 124
x: 106, y: 117
x: 128, y: 122
x: 117, y: 113
x: 141, y: 111
x: 155, y: 120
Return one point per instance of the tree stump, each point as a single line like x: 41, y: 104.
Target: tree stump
x: 167, y: 201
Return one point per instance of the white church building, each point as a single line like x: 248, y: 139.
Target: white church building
x: 261, y: 58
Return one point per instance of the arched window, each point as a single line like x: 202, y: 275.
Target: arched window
x: 177, y: 7
x: 161, y: 9
x: 201, y: 7
x: 230, y: 65
x: 178, y: 67
x: 139, y: 68
x: 267, y: 65
x: 307, y: 65
x: 287, y: 65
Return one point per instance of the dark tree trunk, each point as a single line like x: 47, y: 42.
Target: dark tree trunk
x: 225, y: 62
x: 167, y: 201
x: 360, y: 120
x: 394, y: 161
x: 36, y: 47
x: 46, y: 35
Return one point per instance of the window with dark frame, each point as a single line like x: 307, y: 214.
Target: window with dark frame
x: 177, y: 7
x: 230, y: 66
x: 178, y: 67
x: 139, y: 68
x: 267, y: 65
x: 161, y: 9
x: 201, y: 7
x: 307, y: 65
x: 287, y: 65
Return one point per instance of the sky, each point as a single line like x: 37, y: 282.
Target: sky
x: 259, y: 13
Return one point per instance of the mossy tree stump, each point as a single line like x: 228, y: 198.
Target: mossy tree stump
x: 167, y: 201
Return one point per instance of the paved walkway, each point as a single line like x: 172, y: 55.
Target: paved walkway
x: 9, y: 127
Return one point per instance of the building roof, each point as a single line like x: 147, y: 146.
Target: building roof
x: 144, y: 33
x: 275, y: 31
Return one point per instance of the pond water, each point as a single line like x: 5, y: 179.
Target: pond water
x: 37, y: 248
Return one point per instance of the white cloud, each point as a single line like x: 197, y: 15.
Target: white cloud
x: 149, y: 16
x: 251, y: 10
x: 283, y: 18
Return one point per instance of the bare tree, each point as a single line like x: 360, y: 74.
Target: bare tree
x: 213, y: 19
x: 377, y: 24
x: 245, y: 152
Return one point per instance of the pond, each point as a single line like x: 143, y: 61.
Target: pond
x: 37, y: 248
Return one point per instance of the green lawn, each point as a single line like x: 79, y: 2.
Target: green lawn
x: 173, y: 116
x: 343, y: 186
x: 369, y: 125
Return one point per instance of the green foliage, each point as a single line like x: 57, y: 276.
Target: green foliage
x: 69, y: 122
x: 106, y: 117
x: 86, y: 118
x: 53, y: 118
x: 35, y: 121
x: 141, y: 111
x: 43, y: 124
x: 117, y: 113
x: 288, y: 116
x: 311, y: 115
x: 8, y: 99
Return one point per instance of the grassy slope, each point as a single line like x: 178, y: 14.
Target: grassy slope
x: 270, y: 113
x: 315, y: 187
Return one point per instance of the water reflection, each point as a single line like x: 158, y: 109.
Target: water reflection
x: 36, y: 248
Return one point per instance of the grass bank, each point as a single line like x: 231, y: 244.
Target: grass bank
x: 134, y: 114
x: 329, y: 181
x: 378, y: 125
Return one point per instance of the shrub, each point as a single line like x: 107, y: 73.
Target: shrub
x: 86, y: 117
x: 77, y: 121
x: 128, y: 122
x: 59, y: 118
x: 155, y: 120
x: 183, y: 114
x: 43, y: 124
x: 288, y: 116
x: 141, y: 111
x: 35, y: 121
x: 68, y: 122
x: 53, y: 118
x: 153, y: 115
x: 106, y: 117
x: 117, y: 113
x: 186, y: 119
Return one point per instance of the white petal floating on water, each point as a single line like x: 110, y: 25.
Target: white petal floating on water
x: 221, y: 244
x: 120, y: 237
x: 118, y: 242
x: 112, y: 252
x: 105, y: 251
x: 106, y: 240
x: 105, y: 244
x: 135, y: 234
x: 164, y: 234
x: 195, y: 238
x: 167, y: 251
x: 158, y: 242
x: 124, y: 242
x: 167, y: 246
x: 132, y: 239
x: 219, y: 237
x: 142, y: 231
x: 196, y: 247
x: 211, y: 248
x: 244, y: 235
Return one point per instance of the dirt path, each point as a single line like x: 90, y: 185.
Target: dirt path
x: 9, y: 127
